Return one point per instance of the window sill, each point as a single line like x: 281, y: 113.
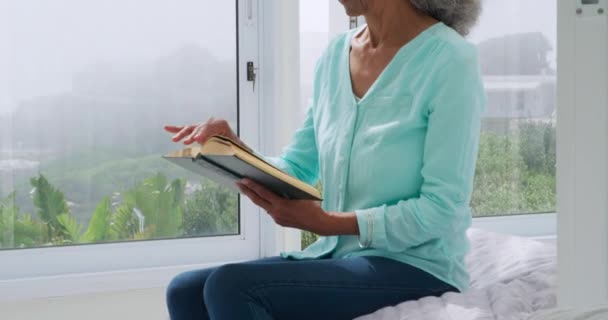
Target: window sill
x: 532, y: 225
x: 89, y: 283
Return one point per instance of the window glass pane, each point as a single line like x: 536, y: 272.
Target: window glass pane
x: 516, y: 164
x: 85, y: 90
x: 314, y: 38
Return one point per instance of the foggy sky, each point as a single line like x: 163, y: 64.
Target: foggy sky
x: 42, y: 43
x: 502, y: 17
x: 499, y: 17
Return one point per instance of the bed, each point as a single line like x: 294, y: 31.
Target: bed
x: 511, y: 278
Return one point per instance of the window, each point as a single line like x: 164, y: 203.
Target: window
x: 91, y: 88
x: 314, y: 37
x: 516, y: 164
x: 85, y: 91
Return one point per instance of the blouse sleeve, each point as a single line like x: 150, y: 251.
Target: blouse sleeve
x: 450, y: 153
x: 300, y: 157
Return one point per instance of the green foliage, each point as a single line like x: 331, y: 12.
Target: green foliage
x: 99, y: 225
x: 88, y: 176
x: 537, y: 147
x: 498, y: 176
x: 539, y: 193
x: 8, y: 213
x: 160, y: 203
x: 17, y: 231
x: 515, y: 173
x: 73, y: 229
x: 124, y: 225
x: 212, y: 210
x: 50, y: 203
x: 28, y: 232
x: 308, y: 238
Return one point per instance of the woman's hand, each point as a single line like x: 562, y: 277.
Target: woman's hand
x: 300, y: 214
x: 200, y: 133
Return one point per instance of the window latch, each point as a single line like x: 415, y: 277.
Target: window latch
x: 353, y: 22
x: 590, y: 8
x: 251, y: 73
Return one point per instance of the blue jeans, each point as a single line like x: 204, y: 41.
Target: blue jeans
x: 277, y: 288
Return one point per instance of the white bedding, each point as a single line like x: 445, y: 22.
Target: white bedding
x: 511, y: 278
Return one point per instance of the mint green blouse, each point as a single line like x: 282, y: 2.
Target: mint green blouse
x: 402, y: 157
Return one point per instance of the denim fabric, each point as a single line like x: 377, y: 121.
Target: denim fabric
x: 278, y: 288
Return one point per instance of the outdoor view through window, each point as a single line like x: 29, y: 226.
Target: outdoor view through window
x: 517, y: 41
x: 85, y: 89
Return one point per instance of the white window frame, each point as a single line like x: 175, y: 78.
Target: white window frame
x: 279, y: 101
x: 582, y: 154
x: 59, y: 271
x: 537, y: 225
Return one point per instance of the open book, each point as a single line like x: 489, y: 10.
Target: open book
x: 224, y: 161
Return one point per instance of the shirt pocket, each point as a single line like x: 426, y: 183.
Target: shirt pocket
x: 388, y: 127
x: 387, y: 117
x: 384, y: 110
x: 387, y: 147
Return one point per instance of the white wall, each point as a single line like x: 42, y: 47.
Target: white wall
x: 148, y: 304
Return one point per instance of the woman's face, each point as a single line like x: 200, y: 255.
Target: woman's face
x: 356, y: 7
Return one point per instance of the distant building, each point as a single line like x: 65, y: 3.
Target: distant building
x: 512, y: 99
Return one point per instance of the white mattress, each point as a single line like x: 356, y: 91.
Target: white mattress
x: 511, y: 278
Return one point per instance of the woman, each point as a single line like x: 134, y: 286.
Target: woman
x: 392, y: 134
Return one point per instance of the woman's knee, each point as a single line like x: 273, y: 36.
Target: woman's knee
x: 178, y: 288
x: 187, y: 286
x: 226, y: 281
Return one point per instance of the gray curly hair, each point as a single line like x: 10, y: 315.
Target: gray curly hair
x: 461, y: 15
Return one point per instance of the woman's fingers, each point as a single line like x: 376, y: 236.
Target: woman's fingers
x: 261, y: 191
x: 259, y: 201
x: 195, y: 134
x: 203, y: 136
x: 173, y: 129
x: 200, y: 136
x: 202, y: 132
x: 182, y: 133
x: 207, y: 130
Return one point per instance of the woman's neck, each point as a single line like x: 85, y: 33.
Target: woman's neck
x: 394, y: 24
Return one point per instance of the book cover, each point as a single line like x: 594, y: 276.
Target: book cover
x: 225, y: 162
